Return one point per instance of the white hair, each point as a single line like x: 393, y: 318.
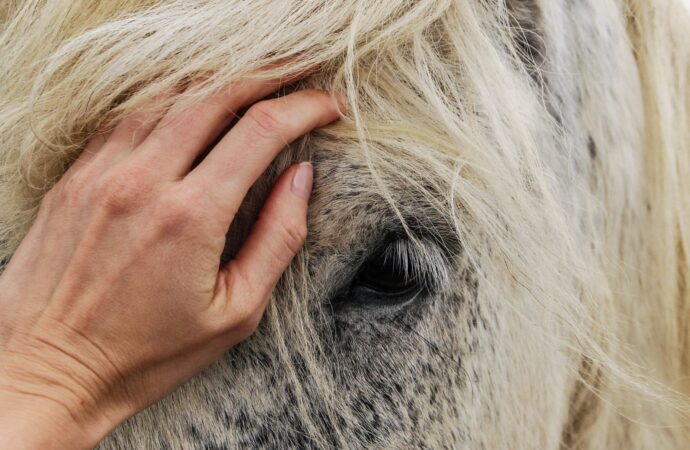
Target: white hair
x: 439, y: 88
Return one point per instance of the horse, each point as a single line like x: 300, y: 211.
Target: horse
x: 499, y: 236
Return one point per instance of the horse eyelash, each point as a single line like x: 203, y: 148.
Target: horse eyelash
x: 423, y: 262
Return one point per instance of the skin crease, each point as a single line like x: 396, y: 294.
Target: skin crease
x: 116, y: 327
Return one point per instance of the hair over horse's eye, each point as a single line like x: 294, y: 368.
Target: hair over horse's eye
x: 389, y: 276
x: 384, y: 274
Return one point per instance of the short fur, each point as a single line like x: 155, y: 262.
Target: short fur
x: 532, y: 157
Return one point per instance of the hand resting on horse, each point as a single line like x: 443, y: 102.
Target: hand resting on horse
x: 115, y: 296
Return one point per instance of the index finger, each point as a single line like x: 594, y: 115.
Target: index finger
x: 181, y: 135
x: 243, y: 154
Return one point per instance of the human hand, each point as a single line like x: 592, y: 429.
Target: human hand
x: 115, y: 296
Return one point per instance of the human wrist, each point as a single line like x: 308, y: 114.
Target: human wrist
x: 57, y: 390
x: 32, y: 420
x: 28, y: 421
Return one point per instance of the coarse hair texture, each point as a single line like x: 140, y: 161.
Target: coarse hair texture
x: 439, y: 88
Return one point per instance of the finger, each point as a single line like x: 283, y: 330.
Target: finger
x: 230, y: 169
x: 107, y: 148
x: 136, y: 127
x: 183, y: 134
x: 92, y: 148
x: 274, y: 240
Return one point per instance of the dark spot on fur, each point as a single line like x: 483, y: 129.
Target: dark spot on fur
x: 242, y: 422
x: 205, y: 442
x: 592, y: 147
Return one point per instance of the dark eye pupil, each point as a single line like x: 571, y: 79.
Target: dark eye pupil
x: 386, y: 275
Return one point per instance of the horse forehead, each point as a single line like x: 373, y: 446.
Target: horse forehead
x: 343, y: 196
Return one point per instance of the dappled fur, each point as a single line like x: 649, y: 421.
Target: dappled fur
x: 532, y: 156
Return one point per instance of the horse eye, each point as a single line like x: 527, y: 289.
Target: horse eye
x: 385, y: 274
x: 389, y: 277
x: 395, y: 275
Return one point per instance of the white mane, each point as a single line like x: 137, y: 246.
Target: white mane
x: 592, y: 257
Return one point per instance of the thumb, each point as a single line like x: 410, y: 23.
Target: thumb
x: 274, y: 240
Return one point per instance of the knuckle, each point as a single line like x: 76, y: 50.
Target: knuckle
x: 293, y: 235
x: 74, y: 187
x: 247, y: 307
x: 248, y: 322
x: 124, y: 190
x: 177, y: 212
x: 265, y: 119
x: 74, y: 181
x: 188, y: 196
x: 67, y: 191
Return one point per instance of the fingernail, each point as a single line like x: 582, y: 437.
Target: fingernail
x: 302, y: 180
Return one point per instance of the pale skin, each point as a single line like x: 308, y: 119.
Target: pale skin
x: 115, y: 296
